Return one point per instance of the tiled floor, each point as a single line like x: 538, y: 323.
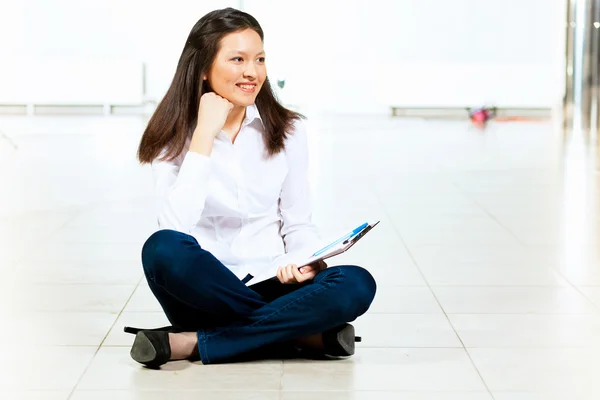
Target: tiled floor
x: 487, y: 260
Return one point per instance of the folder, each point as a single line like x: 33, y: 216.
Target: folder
x: 339, y: 245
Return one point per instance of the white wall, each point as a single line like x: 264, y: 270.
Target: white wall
x: 341, y: 56
x: 99, y: 33
x: 367, y: 55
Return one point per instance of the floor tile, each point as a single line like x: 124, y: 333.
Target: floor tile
x: 36, y: 395
x: 539, y: 370
x: 473, y: 224
x: 58, y: 328
x: 512, y: 300
x: 43, y: 367
x: 405, y: 330
x: 143, y: 300
x: 148, y: 320
x: 113, y: 369
x: 544, y: 396
x: 592, y: 293
x: 76, y: 272
x: 511, y: 256
x: 387, y: 370
x: 174, y: 394
x: 385, y: 395
x: 121, y: 234
x: 86, y: 252
x: 391, y: 299
x: 95, y: 298
x: 512, y: 330
x: 490, y: 275
x: 455, y: 230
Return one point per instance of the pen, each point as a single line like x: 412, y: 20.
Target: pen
x: 349, y: 235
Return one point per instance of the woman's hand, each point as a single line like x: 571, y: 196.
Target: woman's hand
x: 212, y: 114
x: 291, y: 274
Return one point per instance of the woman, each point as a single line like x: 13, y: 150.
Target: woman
x: 231, y: 167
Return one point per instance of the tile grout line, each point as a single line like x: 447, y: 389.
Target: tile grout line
x: 554, y: 269
x: 435, y: 297
x: 103, y: 340
x: 77, y: 213
x: 489, y: 214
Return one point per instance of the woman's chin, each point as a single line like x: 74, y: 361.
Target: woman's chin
x: 242, y: 102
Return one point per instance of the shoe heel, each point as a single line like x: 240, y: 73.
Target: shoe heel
x: 134, y: 331
x: 151, y: 348
x: 346, y: 339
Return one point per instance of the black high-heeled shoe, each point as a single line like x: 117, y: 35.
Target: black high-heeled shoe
x: 340, y: 341
x: 151, y: 348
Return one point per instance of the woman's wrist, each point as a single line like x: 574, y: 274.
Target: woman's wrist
x: 201, y: 143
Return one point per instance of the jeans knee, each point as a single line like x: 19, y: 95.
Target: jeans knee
x: 358, y: 288
x: 159, y: 251
x: 363, y: 286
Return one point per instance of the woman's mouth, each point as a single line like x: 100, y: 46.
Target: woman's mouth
x: 247, y: 87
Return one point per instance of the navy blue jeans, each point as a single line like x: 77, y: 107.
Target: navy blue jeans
x: 198, y: 293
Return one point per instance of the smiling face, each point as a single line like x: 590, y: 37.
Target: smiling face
x: 239, y: 71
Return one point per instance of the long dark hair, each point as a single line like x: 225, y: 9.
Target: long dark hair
x: 176, y: 115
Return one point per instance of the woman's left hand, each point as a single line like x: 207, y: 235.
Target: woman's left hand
x: 292, y: 274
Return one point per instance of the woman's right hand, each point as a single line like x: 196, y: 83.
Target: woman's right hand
x: 212, y: 114
x: 292, y: 274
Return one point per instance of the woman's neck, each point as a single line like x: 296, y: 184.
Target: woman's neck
x: 234, y: 120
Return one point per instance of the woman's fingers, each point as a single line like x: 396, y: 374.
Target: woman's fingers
x: 306, y: 273
x: 303, y: 276
x: 286, y: 275
x: 289, y: 269
x: 291, y: 274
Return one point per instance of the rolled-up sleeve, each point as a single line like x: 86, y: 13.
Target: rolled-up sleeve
x: 298, y: 231
x: 181, y: 191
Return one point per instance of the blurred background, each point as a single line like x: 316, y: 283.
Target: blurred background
x: 359, y: 57
x: 469, y: 128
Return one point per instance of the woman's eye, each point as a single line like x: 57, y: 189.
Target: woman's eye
x: 261, y: 59
x: 238, y: 59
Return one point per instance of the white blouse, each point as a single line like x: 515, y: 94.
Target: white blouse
x: 251, y: 212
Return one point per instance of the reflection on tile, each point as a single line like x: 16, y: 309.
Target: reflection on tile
x: 512, y: 300
x: 43, y: 367
x: 486, y: 275
x: 86, y: 252
x: 592, y: 293
x: 57, y: 328
x: 173, y: 394
x: 380, y: 395
x: 387, y: 370
x: 539, y: 370
x: 76, y: 272
x: 455, y: 230
x: 113, y: 369
x: 124, y: 234
x: 405, y: 330
x: 543, y: 396
x: 510, y: 256
x: 99, y: 298
x: 35, y: 395
x: 511, y: 330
